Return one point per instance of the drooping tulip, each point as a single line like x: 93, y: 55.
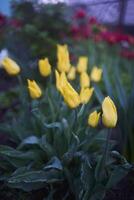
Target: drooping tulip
x: 11, y: 67
x: 109, y: 116
x: 96, y: 74
x: 61, y: 80
x: 63, y: 64
x: 44, y: 67
x: 84, y: 80
x: 93, y: 119
x: 34, y: 90
x: 82, y: 64
x: 72, y: 73
x: 71, y: 97
x: 86, y: 94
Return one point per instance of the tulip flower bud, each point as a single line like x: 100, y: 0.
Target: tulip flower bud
x: 109, y: 117
x: 34, y: 90
x: 82, y: 64
x: 71, y: 97
x: 10, y: 66
x: 93, y: 119
x: 44, y: 67
x: 96, y: 74
x: 72, y: 73
x: 63, y: 58
x: 86, y: 94
x: 84, y: 80
x: 61, y: 80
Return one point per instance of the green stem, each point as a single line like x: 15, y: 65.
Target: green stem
x: 22, y: 99
x: 107, y: 146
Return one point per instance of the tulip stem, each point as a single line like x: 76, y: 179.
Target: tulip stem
x: 107, y: 145
x: 21, y: 89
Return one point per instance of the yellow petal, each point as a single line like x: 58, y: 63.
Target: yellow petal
x: 71, y: 97
x: 10, y: 66
x: 34, y: 90
x: 96, y: 74
x: 93, y: 119
x: 72, y: 73
x: 84, y: 80
x: 44, y: 67
x: 109, y: 117
x: 86, y: 94
x: 82, y: 64
x: 63, y: 64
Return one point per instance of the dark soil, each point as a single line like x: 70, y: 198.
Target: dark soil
x: 123, y: 190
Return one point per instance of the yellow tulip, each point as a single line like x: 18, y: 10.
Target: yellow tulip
x: 71, y: 97
x: 96, y: 74
x: 82, y: 64
x: 86, y: 94
x: 72, y: 73
x: 61, y: 80
x: 84, y: 80
x: 10, y: 66
x: 44, y: 67
x: 109, y: 117
x: 93, y: 119
x: 63, y: 58
x: 34, y: 90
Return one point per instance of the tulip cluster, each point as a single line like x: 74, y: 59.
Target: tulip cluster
x: 64, y: 73
x: 109, y: 115
x: 69, y: 72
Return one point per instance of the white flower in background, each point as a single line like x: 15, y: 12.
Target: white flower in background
x: 3, y: 54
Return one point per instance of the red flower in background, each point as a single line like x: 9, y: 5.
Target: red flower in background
x: 74, y: 29
x: 127, y: 54
x: 3, y: 19
x: 93, y: 20
x: 85, y: 26
x: 15, y: 23
x: 85, y: 31
x: 81, y: 13
x: 130, y: 39
x: 109, y: 37
x: 97, y: 37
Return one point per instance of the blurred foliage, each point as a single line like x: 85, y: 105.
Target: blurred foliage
x: 51, y: 148
x: 38, y: 28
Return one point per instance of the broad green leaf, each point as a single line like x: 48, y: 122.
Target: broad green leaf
x: 107, y: 81
x: 116, y: 175
x: 31, y: 180
x: 54, y: 163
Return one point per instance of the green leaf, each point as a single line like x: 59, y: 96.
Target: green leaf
x: 107, y: 81
x: 117, y: 174
x: 54, y: 163
x: 53, y: 125
x: 98, y: 93
x: 17, y: 158
x: 120, y: 91
x: 47, y: 147
x: 29, y: 141
x: 98, y: 192
x: 87, y: 179
x: 31, y: 180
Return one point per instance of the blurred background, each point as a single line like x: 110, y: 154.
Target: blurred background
x: 101, y: 30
